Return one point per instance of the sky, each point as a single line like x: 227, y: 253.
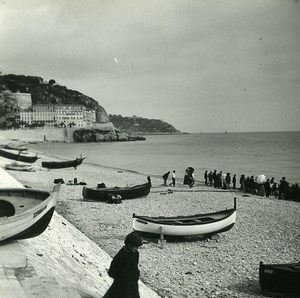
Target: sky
x: 202, y: 66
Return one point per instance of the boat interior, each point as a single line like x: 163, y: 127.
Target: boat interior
x: 17, y: 201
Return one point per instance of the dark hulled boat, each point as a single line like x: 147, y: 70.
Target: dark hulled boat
x: 25, y: 213
x: 280, y: 279
x: 63, y: 164
x: 104, y: 194
x: 18, y: 155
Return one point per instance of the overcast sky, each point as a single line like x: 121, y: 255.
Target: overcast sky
x: 199, y: 65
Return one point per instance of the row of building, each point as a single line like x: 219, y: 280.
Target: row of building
x: 51, y: 115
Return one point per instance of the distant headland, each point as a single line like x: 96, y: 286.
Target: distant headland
x: 30, y: 102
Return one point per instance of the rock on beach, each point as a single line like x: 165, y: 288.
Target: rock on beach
x: 225, y: 266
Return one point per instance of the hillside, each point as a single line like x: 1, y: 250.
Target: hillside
x: 142, y: 125
x: 43, y: 92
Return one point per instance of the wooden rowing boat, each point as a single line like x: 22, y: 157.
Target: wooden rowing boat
x: 19, y: 167
x: 24, y: 212
x: 182, y: 226
x: 63, y: 164
x: 280, y: 279
x: 104, y: 194
x: 19, y: 156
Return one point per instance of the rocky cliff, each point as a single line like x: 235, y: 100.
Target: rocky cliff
x: 97, y: 135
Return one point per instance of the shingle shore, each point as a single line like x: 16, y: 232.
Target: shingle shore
x: 266, y: 230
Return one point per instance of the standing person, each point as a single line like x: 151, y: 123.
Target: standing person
x: 242, y: 182
x: 205, y: 177
x: 192, y: 178
x: 165, y: 177
x: 124, y: 269
x: 228, y: 181
x: 186, y: 176
x: 268, y: 188
x: 234, y: 181
x: 173, y: 179
x: 215, y: 178
x: 210, y: 178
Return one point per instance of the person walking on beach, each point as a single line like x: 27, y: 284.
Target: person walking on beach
x: 234, y: 181
x: 173, y: 179
x: 205, y: 177
x: 165, y: 177
x: 124, y: 269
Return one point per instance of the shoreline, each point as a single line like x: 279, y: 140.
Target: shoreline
x: 266, y: 230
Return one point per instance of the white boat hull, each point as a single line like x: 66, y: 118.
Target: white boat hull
x: 12, y: 226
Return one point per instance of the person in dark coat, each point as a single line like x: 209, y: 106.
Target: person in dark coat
x: 205, y: 177
x: 165, y: 177
x: 268, y: 188
x: 215, y: 179
x: 124, y: 269
x: 186, y: 175
x: 234, y: 181
x: 210, y: 178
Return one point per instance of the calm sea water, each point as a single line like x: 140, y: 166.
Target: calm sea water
x: 274, y: 154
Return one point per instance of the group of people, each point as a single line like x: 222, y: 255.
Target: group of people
x: 189, y: 177
x: 219, y: 180
x: 281, y: 190
x: 166, y: 176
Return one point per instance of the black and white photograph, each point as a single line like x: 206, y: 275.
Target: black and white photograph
x: 149, y: 149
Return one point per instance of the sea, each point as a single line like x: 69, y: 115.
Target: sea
x: 274, y: 154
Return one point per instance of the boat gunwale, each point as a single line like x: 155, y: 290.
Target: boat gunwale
x: 160, y: 219
x: 116, y: 188
x: 70, y: 163
x: 175, y: 221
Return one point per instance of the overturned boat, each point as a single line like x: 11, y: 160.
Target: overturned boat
x: 24, y: 212
x: 104, y: 194
x: 182, y: 226
x: 280, y: 279
x: 18, y: 155
x: 63, y: 164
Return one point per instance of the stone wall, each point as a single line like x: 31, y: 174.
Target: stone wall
x: 39, y: 134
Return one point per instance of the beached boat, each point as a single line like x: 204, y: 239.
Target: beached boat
x: 24, y: 212
x: 104, y: 194
x: 280, y: 279
x: 63, y: 164
x: 182, y: 226
x: 18, y: 155
x: 16, y: 147
x: 19, y: 167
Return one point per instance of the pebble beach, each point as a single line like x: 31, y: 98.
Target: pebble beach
x: 226, y: 265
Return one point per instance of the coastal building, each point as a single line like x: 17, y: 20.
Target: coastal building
x: 43, y: 113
